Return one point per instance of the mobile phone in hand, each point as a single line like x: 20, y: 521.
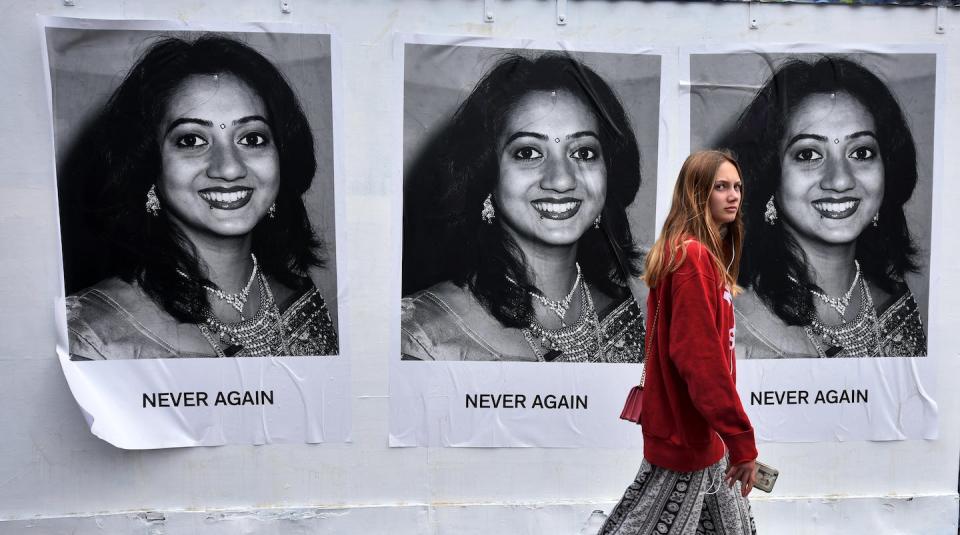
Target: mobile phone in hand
x: 766, y: 477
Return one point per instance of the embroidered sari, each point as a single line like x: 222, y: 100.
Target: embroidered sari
x: 431, y: 329
x: 100, y: 328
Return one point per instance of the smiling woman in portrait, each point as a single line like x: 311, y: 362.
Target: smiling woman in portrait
x: 516, y: 241
x: 202, y: 157
x: 828, y: 163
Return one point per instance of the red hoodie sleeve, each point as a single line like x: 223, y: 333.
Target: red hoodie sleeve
x: 700, y: 353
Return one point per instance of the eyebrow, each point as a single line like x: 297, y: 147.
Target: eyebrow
x: 862, y: 133
x: 250, y: 119
x: 209, y: 124
x: 799, y: 137
x: 187, y: 120
x: 584, y: 133
x: 575, y: 135
x: 526, y: 134
x: 823, y: 139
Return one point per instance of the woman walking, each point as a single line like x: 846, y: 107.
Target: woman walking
x: 699, y: 447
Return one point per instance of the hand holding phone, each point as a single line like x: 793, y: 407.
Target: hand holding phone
x: 745, y: 473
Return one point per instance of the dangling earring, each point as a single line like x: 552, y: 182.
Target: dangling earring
x: 770, y: 214
x: 596, y: 222
x: 876, y: 219
x: 153, y: 202
x: 488, y: 213
x: 272, y: 211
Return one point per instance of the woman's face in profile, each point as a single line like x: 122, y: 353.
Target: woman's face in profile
x: 832, y: 179
x: 220, y: 169
x: 725, y: 196
x: 553, y: 180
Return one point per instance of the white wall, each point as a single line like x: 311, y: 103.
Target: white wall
x: 55, y: 477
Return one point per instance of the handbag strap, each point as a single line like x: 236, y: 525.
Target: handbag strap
x: 651, y: 333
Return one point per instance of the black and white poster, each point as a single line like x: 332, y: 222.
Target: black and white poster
x: 529, y: 193
x: 839, y: 153
x: 199, y: 219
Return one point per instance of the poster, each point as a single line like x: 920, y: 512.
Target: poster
x: 839, y: 150
x: 200, y: 226
x: 529, y: 191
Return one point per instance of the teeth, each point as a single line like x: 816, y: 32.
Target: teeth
x: 555, y: 208
x: 834, y: 206
x: 218, y: 196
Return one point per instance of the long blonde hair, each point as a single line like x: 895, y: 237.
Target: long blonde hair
x: 690, y: 217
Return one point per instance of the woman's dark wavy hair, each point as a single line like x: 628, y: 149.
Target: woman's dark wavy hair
x: 444, y: 236
x: 126, y: 162
x: 770, y: 255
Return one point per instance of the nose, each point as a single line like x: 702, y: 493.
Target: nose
x: 733, y: 195
x: 226, y: 163
x: 838, y: 176
x: 559, y: 175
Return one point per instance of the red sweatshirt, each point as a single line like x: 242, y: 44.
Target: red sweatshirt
x: 691, y: 408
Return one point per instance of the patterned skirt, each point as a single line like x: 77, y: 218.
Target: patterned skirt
x: 664, y: 502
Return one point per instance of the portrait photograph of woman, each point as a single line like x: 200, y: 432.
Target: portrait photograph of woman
x: 529, y: 196
x: 837, y: 156
x: 196, y: 190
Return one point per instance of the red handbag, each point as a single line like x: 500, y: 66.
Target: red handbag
x: 633, y: 407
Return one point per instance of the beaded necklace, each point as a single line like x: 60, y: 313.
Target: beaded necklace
x: 857, y: 338
x: 576, y: 342
x: 260, y: 336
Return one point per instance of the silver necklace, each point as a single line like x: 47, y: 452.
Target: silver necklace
x: 839, y: 303
x: 858, y: 338
x: 237, y: 300
x: 576, y: 343
x: 260, y: 336
x: 560, y: 306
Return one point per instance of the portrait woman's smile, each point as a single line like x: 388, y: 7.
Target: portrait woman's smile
x: 553, y: 180
x: 220, y: 164
x: 832, y: 179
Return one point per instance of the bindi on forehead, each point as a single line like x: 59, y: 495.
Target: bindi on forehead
x: 835, y: 112
x: 207, y: 102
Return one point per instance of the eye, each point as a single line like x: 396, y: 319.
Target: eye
x: 253, y: 139
x: 190, y: 141
x: 808, y: 155
x: 584, y: 153
x: 720, y: 186
x: 527, y: 153
x: 863, y: 153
